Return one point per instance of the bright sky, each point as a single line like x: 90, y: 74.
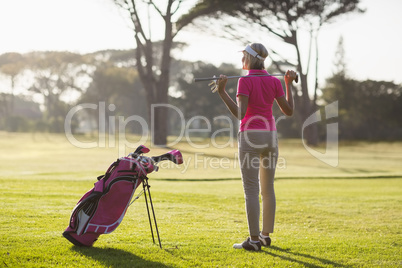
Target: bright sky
x: 372, y: 41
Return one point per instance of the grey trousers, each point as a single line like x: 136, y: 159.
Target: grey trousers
x: 258, y: 156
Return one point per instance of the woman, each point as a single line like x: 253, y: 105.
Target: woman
x: 257, y: 139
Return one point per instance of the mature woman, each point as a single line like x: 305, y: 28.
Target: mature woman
x: 257, y: 139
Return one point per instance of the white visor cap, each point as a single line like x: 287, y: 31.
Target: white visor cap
x: 253, y: 53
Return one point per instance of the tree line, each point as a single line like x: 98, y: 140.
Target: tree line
x: 40, y: 88
x: 237, y: 20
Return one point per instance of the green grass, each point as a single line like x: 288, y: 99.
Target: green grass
x: 347, y: 216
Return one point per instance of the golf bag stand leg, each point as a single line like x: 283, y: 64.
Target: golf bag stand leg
x: 146, y: 187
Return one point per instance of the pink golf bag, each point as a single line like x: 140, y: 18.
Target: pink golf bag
x: 101, y: 209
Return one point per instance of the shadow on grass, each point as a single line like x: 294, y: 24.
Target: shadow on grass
x: 296, y: 258
x: 204, y: 154
x: 198, y: 180
x: 111, y: 257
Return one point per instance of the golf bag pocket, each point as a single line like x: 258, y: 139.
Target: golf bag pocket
x: 121, y: 193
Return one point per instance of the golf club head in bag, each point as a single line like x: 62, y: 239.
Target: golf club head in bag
x: 102, y: 208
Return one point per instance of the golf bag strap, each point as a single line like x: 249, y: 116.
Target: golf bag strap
x: 109, y: 170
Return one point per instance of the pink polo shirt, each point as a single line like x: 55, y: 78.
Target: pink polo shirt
x: 261, y: 93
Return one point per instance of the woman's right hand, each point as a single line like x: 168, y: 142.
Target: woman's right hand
x: 221, y: 82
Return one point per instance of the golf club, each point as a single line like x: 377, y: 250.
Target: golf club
x: 239, y: 76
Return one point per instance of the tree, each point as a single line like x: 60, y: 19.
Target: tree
x: 153, y: 67
x: 55, y: 73
x: 283, y: 19
x: 369, y: 109
x: 11, y: 64
x: 340, y: 62
x: 196, y: 99
x: 118, y: 86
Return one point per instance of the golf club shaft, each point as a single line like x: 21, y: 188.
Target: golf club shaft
x: 239, y: 76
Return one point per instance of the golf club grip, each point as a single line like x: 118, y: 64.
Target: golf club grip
x: 230, y: 77
x: 205, y: 79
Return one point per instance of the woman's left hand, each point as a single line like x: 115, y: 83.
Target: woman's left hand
x: 290, y: 76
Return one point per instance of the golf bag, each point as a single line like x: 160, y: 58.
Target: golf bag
x: 101, y: 209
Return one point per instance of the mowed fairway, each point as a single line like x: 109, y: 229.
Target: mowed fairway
x: 344, y: 216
